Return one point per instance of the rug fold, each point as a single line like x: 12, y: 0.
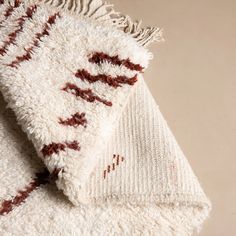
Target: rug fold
x: 72, y: 74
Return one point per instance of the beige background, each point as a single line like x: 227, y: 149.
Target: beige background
x: 193, y: 79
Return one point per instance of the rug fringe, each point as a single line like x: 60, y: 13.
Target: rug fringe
x: 104, y: 13
x: 144, y: 36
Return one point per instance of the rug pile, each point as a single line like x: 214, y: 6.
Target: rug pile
x: 84, y: 148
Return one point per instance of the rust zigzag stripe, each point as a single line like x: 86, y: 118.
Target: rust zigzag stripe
x: 86, y: 94
x: 41, y: 178
x: 107, y: 79
x: 100, y: 57
x: 38, y: 36
x: 12, y: 36
x: 10, y: 10
x: 76, y: 120
x: 55, y: 148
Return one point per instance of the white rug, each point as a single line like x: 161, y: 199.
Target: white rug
x: 72, y: 74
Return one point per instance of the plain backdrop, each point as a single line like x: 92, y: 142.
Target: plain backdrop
x: 193, y: 79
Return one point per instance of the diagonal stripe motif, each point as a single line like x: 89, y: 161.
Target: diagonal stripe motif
x: 117, y: 160
x: 114, y: 82
x: 11, y: 38
x: 100, y: 57
x: 86, y: 94
x: 9, y: 11
x: 35, y: 43
x: 55, y: 148
x: 77, y: 119
x: 41, y: 178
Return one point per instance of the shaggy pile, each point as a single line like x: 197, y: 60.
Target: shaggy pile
x: 71, y: 73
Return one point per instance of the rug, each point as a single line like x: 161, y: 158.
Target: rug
x: 84, y: 147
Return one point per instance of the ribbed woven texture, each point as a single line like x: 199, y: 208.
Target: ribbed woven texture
x: 154, y: 165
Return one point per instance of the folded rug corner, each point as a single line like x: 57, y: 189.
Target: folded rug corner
x: 72, y: 73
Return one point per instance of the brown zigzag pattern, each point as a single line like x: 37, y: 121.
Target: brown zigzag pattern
x: 55, y: 148
x: 12, y: 36
x: 38, y: 36
x: 10, y: 10
x: 107, y: 79
x: 75, y: 120
x: 100, y: 57
x: 86, y: 94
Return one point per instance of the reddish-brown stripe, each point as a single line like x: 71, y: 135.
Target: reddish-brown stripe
x: 100, y: 57
x: 115, y: 162
x: 76, y: 120
x: 38, y: 36
x: 55, y: 148
x: 11, y: 38
x: 41, y: 178
x: 86, y: 94
x: 104, y: 174
x: 1, y: 2
x: 10, y: 10
x: 107, y: 79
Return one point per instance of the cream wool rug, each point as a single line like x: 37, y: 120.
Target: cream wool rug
x: 71, y: 74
